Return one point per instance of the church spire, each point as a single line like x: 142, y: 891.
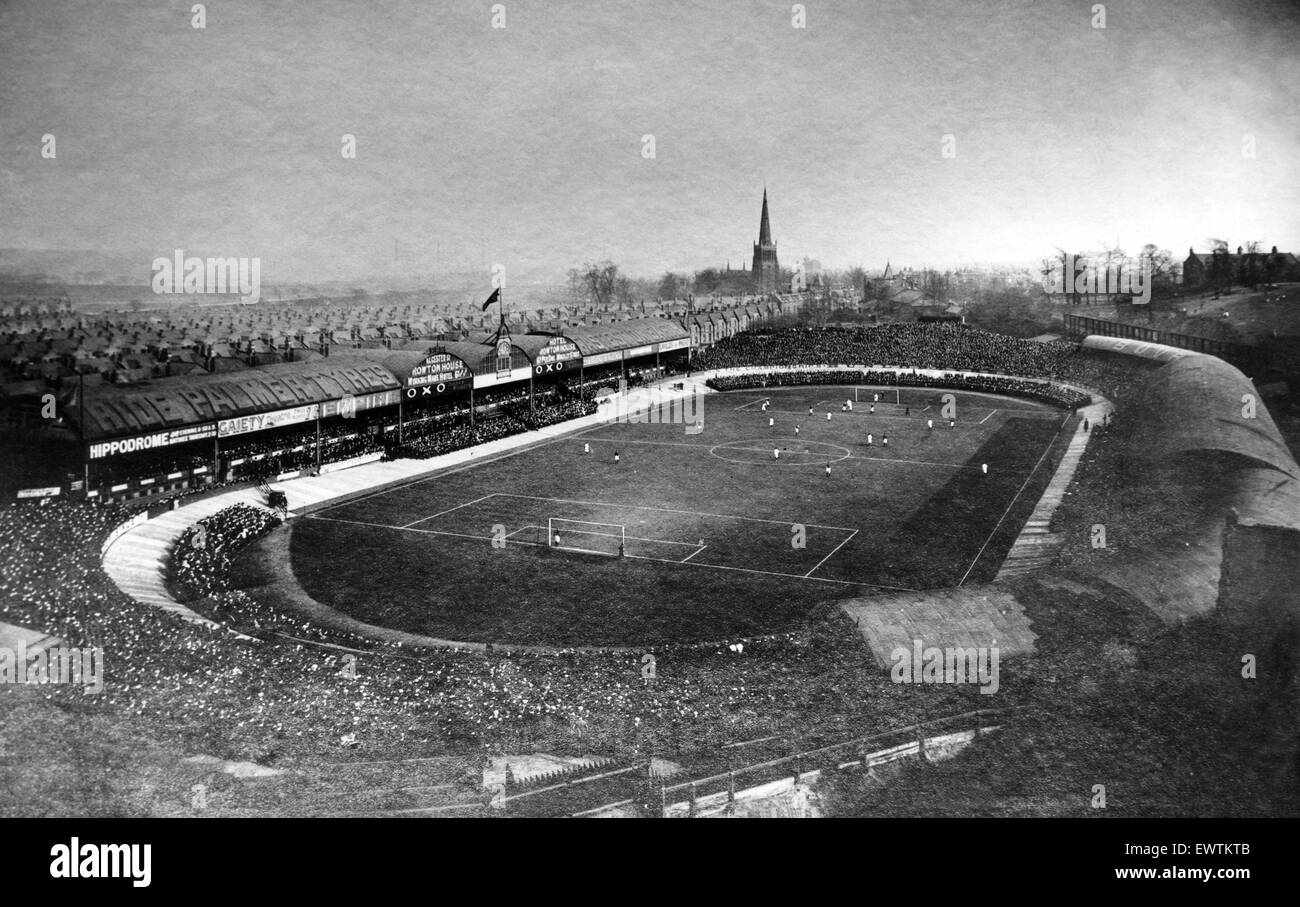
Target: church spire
x: 766, y: 269
x: 764, y: 228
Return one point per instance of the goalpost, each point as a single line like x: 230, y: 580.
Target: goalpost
x: 586, y: 536
x: 898, y: 397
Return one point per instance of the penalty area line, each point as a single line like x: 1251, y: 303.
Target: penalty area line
x: 815, y: 579
x: 448, y: 510
x: 833, y: 550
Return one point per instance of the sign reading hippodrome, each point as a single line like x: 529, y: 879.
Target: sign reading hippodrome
x: 146, y: 442
x: 263, y: 421
x: 438, y: 368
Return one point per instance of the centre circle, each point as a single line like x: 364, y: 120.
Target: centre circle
x: 794, y: 452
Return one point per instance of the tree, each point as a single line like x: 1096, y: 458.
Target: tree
x: 602, y: 283
x: 1082, y: 262
x: 1056, y: 268
x: 1007, y: 310
x: 1271, y: 268
x: 622, y: 294
x: 935, y: 285
x: 857, y: 278
x: 669, y: 285
x: 707, y: 280
x: 1161, y: 264
x: 1220, y: 265
x: 1113, y: 260
x: 1251, y: 264
x: 577, y: 286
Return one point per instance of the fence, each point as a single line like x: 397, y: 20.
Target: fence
x: 849, y: 750
x: 1253, y: 360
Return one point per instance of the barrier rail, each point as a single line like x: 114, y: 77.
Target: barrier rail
x: 1245, y: 356
x: 825, y: 754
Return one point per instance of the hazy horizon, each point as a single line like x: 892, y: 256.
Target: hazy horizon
x: 523, y: 145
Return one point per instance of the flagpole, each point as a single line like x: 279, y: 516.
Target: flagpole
x: 81, y: 429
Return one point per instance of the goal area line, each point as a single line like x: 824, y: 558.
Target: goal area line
x: 552, y: 531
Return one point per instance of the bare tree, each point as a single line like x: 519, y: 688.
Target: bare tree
x: 1054, y: 265
x: 1162, y: 264
x: 669, y: 285
x: 601, y: 281
x: 1220, y: 265
x: 577, y: 286
x: 857, y: 278
x: 1250, y: 266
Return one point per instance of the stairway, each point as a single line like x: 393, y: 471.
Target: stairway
x: 1034, y: 550
x: 1036, y: 546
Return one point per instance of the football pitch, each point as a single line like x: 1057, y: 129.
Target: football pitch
x: 735, y: 531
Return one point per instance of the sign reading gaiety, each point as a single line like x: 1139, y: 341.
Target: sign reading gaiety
x: 263, y: 421
x: 438, y: 368
x: 146, y: 442
x: 556, y: 356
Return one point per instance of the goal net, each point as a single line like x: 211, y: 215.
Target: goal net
x: 584, y: 535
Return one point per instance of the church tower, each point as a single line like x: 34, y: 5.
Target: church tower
x: 766, y: 271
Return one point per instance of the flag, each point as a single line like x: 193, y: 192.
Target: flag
x: 495, y: 297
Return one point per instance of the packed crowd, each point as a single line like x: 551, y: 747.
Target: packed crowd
x: 437, y: 436
x: 201, y: 561
x: 279, y: 460
x: 594, y: 382
x: 208, y: 690
x: 161, y: 461
x: 950, y: 347
x: 1020, y: 387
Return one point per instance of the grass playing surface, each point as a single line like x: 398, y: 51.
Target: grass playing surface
x: 711, y: 523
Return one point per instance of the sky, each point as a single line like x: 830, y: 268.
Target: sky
x: 524, y: 146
